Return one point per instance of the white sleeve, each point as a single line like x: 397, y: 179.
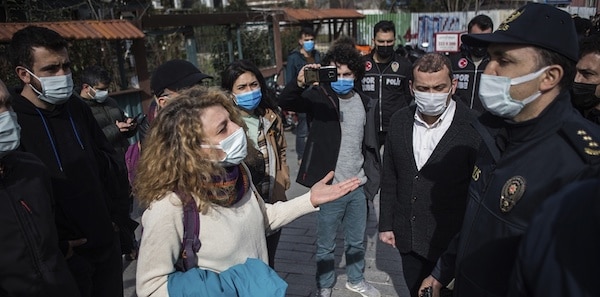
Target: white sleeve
x: 160, y: 247
x: 282, y: 213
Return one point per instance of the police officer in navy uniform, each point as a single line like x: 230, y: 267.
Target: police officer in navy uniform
x: 469, y: 63
x: 535, y: 143
x: 386, y: 76
x: 559, y: 253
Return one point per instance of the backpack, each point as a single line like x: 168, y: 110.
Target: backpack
x: 132, y: 156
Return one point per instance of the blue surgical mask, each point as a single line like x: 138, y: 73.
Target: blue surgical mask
x: 494, y: 92
x: 10, y: 132
x: 308, y: 45
x: 235, y: 147
x: 55, y: 89
x: 100, y: 95
x: 343, y: 86
x: 249, y: 100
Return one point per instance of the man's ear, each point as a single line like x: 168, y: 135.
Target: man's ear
x: 552, y: 77
x: 23, y: 75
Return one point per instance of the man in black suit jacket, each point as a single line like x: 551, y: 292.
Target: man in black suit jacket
x: 428, y: 161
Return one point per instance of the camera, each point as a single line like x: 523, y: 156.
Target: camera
x: 323, y: 74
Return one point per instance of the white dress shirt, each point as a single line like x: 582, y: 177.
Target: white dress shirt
x: 426, y: 137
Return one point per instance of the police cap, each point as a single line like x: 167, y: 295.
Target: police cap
x: 534, y: 24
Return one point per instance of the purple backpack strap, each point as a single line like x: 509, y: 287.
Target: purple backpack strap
x: 191, y: 231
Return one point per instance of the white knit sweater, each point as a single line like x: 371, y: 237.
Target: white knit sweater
x: 229, y: 235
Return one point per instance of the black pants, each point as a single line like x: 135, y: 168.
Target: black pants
x: 416, y: 269
x: 99, y: 278
x: 272, y: 242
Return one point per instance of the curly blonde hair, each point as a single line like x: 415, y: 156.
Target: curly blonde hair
x: 171, y: 158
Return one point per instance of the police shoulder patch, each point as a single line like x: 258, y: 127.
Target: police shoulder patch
x: 585, y: 143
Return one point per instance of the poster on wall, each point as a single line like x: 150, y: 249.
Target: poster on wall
x: 447, y: 42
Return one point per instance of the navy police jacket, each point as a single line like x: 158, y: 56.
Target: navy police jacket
x: 559, y: 254
x: 468, y: 75
x: 515, y: 172
x: 389, y: 84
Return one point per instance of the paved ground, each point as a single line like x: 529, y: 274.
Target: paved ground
x: 295, y: 260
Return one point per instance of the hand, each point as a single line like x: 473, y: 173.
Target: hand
x: 125, y: 126
x: 73, y: 244
x: 388, y: 237
x: 322, y: 193
x: 430, y: 281
x: 300, y: 78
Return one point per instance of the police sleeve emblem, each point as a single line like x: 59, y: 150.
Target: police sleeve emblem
x: 512, y: 191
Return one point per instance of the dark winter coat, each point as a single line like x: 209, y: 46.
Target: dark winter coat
x: 324, y: 138
x: 30, y: 260
x: 425, y: 207
x: 82, y: 168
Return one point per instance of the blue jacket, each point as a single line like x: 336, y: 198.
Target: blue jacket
x: 251, y: 279
x: 295, y: 61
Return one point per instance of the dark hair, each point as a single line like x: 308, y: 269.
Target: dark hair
x: 305, y: 30
x: 384, y: 26
x: 343, y: 51
x: 582, y: 26
x: 239, y: 67
x: 432, y: 62
x: 548, y: 57
x: 24, y: 40
x: 482, y: 21
x: 588, y: 45
x: 94, y: 75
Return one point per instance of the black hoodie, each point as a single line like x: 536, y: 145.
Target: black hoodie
x: 81, y: 162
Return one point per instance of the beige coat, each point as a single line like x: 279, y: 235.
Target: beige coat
x: 277, y: 160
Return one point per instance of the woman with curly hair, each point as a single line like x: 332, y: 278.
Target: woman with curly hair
x: 270, y: 172
x: 194, y: 151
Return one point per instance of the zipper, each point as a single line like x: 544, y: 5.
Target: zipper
x: 30, y: 234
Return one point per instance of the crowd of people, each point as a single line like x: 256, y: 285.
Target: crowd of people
x: 486, y: 163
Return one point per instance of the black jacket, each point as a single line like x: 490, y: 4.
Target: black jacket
x: 559, y: 253
x: 30, y: 260
x: 425, y: 207
x: 388, y: 83
x: 324, y: 138
x: 106, y: 114
x: 468, y: 75
x: 82, y: 167
x: 518, y: 168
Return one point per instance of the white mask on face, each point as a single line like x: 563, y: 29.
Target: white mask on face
x: 431, y: 104
x: 55, y: 89
x: 494, y: 92
x: 100, y: 95
x: 10, y: 132
x: 235, y: 147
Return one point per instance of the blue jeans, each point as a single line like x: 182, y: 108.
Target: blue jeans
x: 301, y: 134
x: 350, y: 211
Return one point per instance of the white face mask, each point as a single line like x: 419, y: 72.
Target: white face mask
x: 100, y: 95
x: 55, y: 89
x: 494, y: 92
x: 235, y: 147
x: 431, y: 104
x: 10, y: 132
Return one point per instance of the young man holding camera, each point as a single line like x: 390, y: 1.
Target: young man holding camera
x: 342, y: 138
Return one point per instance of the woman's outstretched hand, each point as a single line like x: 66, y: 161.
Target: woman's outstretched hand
x: 321, y: 192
